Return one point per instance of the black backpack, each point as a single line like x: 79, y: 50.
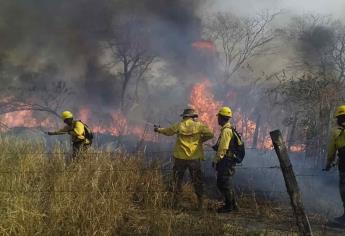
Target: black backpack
x: 88, y: 132
x: 237, y: 148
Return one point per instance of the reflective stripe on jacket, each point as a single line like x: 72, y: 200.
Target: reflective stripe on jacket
x: 191, y: 135
x: 223, y: 142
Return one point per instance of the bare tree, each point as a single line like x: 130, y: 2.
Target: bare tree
x: 51, y: 99
x: 337, y: 54
x: 240, y: 39
x: 29, y: 91
x: 308, y: 103
x: 130, y: 50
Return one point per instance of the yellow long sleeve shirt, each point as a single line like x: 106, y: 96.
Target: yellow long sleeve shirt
x: 76, y: 131
x: 337, y: 140
x: 223, y: 142
x: 191, y: 135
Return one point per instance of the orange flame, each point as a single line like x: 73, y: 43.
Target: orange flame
x: 202, y: 100
x: 117, y: 126
x: 204, y: 45
x: 24, y: 119
x: 297, y: 148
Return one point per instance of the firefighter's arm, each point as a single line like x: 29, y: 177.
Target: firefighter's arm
x: 331, y: 154
x: 64, y: 130
x: 223, y: 146
x: 206, y: 133
x: 168, y: 131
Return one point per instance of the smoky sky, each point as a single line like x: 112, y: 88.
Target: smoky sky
x: 66, y: 35
x: 324, y: 7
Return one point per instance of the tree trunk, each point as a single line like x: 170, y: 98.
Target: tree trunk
x: 256, y: 132
x: 126, y: 77
x: 292, y: 133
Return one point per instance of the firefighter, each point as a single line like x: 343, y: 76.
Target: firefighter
x: 223, y: 161
x: 76, y: 129
x: 337, y: 146
x: 188, y: 151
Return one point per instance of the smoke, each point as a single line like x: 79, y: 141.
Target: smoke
x: 249, y: 7
x: 66, y: 35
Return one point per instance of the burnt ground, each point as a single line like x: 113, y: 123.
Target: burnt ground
x: 257, y: 216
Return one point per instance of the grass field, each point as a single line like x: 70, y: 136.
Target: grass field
x: 115, y: 194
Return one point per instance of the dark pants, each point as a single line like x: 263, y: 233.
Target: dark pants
x: 194, y: 167
x: 225, y: 171
x: 78, y: 149
x: 341, y: 167
x: 342, y: 187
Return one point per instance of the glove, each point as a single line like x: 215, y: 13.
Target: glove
x: 156, y: 127
x: 328, y: 167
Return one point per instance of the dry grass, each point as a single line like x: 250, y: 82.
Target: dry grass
x: 107, y: 194
x: 102, y: 194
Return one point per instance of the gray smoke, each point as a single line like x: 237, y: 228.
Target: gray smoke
x: 66, y: 35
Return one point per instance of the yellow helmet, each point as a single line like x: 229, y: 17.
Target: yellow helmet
x: 340, y: 111
x: 66, y: 115
x: 225, y: 111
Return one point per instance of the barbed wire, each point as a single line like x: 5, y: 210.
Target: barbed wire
x: 139, y: 153
x: 156, y: 169
x: 116, y: 152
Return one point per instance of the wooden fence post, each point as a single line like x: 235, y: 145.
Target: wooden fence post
x: 291, y: 183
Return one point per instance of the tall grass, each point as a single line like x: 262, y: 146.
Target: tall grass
x: 101, y: 194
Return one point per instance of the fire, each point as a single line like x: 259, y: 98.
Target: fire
x: 245, y: 126
x: 297, y: 148
x: 24, y: 119
x: 204, y: 45
x: 202, y: 100
x: 117, y: 125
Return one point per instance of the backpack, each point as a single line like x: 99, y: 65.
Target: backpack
x: 237, y: 148
x: 87, y: 132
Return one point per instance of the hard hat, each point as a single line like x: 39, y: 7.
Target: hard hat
x: 225, y: 111
x: 66, y: 115
x: 189, y: 112
x: 340, y: 111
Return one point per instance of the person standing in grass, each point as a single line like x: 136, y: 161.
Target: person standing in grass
x: 224, y: 161
x: 188, y: 152
x: 81, y: 135
x: 337, y: 146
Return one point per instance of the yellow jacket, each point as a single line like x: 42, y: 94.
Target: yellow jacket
x: 336, y: 141
x: 76, y: 131
x: 223, y: 142
x: 190, y: 136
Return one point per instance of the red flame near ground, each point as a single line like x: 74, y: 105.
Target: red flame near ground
x: 117, y: 126
x: 203, y: 101
x: 24, y: 119
x: 204, y: 45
